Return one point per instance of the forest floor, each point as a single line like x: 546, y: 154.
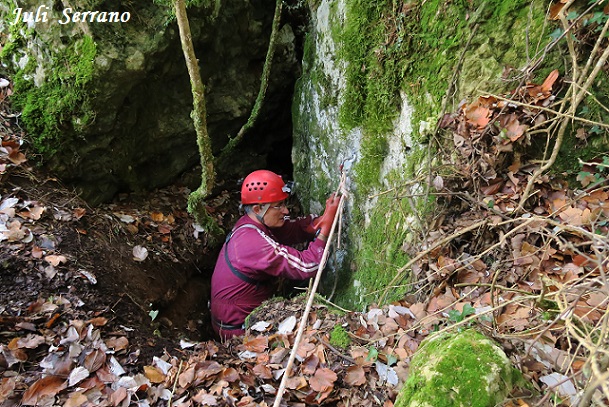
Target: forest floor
x: 107, y: 306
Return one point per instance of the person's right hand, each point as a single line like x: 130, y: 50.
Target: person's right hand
x: 324, y: 222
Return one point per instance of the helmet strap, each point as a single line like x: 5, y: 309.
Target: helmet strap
x: 263, y: 209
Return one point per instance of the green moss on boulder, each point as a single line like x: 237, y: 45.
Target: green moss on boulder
x: 464, y: 369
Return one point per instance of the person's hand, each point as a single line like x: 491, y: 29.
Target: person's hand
x: 324, y: 222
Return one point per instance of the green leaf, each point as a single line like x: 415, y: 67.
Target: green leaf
x: 373, y: 354
x: 583, y: 175
x: 556, y: 34
x: 153, y: 314
x: 596, y: 129
x: 468, y: 310
x: 454, y: 316
x: 598, y: 17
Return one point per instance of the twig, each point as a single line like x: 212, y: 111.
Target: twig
x: 175, y: 384
x: 330, y: 303
x: 144, y: 310
x: 471, y: 200
x: 577, y: 99
x: 472, y: 317
x: 404, y: 184
x: 426, y: 252
x: 591, y: 389
x: 549, y: 394
x: 336, y: 351
x: 547, y: 110
x: 597, y: 44
x: 499, y: 287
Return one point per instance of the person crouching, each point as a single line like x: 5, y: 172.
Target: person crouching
x: 257, y: 252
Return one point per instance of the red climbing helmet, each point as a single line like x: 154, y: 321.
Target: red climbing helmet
x: 263, y: 186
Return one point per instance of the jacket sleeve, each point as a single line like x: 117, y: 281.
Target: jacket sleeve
x: 260, y: 256
x: 296, y: 231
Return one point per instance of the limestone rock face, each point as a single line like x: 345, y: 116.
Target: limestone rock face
x: 323, y: 145
x: 108, y: 104
x: 465, y: 369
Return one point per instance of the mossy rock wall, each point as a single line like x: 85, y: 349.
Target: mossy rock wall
x: 462, y: 369
x: 107, y: 105
x: 377, y: 76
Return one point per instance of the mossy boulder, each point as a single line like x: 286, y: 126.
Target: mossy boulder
x: 464, y: 369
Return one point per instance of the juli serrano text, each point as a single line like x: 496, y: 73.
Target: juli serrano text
x: 71, y: 16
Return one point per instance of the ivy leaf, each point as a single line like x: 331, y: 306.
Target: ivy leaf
x: 596, y: 129
x: 585, y: 178
x: 468, y: 310
x: 454, y: 316
x: 373, y: 354
x: 556, y: 34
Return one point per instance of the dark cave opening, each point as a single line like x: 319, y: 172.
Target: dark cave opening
x: 187, y: 312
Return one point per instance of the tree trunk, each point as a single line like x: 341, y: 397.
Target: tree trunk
x: 196, y: 200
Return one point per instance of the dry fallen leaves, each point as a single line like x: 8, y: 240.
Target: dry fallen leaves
x: 522, y: 271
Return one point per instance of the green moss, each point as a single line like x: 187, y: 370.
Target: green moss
x: 16, y: 41
x: 371, y: 86
x: 416, y: 49
x: 198, y: 209
x: 373, y: 152
x: 339, y: 337
x: 466, y: 369
x: 596, y: 138
x: 379, y: 255
x: 61, y: 102
x: 317, y: 76
x: 573, y: 150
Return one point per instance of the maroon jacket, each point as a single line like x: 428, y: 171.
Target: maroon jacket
x: 261, y: 254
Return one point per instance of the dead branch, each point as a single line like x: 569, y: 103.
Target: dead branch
x: 578, y: 96
x: 441, y: 242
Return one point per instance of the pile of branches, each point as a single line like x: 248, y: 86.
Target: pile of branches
x: 518, y: 250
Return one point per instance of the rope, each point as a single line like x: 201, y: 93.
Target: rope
x: 305, y: 315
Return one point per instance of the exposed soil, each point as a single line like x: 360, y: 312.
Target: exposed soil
x: 173, y: 279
